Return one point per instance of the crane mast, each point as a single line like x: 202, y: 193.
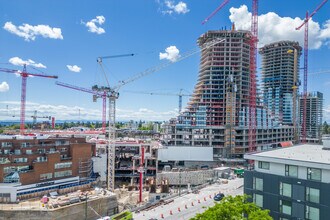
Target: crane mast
x: 253, y: 83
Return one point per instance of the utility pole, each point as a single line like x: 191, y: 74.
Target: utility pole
x: 180, y: 181
x: 86, y: 206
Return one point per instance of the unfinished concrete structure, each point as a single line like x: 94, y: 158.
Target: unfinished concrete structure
x: 218, y: 113
x: 280, y: 78
x: 127, y: 161
x: 314, y: 113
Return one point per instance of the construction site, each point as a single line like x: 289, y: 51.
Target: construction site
x: 234, y: 110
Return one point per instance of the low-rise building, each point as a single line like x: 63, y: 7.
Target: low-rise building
x: 292, y: 182
x: 127, y: 161
x: 32, y: 166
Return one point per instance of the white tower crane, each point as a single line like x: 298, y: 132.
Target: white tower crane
x: 113, y: 94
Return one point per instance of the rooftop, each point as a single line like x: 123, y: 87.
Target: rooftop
x: 310, y: 153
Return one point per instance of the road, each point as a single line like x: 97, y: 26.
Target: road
x: 187, y: 206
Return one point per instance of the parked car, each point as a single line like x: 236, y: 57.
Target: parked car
x: 218, y: 197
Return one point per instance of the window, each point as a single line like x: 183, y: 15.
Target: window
x: 25, y: 144
x: 312, y: 195
x: 291, y: 170
x: 258, y: 200
x: 285, y: 207
x: 20, y: 160
x: 258, y: 184
x: 41, y: 151
x: 41, y: 159
x: 28, y: 151
x: 285, y: 189
x: 6, y: 144
x: 312, y: 213
x: 63, y: 173
x: 263, y: 165
x: 4, y: 160
x: 314, y: 174
x: 46, y: 176
x: 63, y: 165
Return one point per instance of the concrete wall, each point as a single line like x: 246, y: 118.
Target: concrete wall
x: 100, y: 166
x: 184, y: 177
x: 177, y: 153
x: 104, y: 206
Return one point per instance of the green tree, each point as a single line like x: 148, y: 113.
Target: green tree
x: 237, y: 208
x: 325, y: 128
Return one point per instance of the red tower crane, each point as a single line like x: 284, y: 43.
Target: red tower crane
x: 96, y: 94
x: 307, y: 18
x: 253, y: 65
x: 24, y: 76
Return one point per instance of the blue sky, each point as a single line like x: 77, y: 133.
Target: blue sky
x: 58, y: 34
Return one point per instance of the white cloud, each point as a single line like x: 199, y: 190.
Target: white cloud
x: 19, y: 62
x: 30, y: 32
x: 4, y: 87
x: 64, y: 112
x: 274, y: 28
x: 171, y: 7
x: 171, y: 53
x: 92, y: 25
x: 74, y: 68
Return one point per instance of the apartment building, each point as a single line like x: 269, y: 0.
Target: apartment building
x: 292, y: 182
x: 35, y: 165
x: 314, y: 115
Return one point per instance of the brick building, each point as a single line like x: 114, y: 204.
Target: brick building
x: 35, y: 165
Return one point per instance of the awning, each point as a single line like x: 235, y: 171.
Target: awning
x: 286, y: 144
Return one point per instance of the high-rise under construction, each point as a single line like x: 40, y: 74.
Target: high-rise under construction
x: 280, y: 79
x: 218, y: 113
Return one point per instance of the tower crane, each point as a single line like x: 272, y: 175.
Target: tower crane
x: 100, y: 59
x: 102, y: 93
x: 180, y: 95
x: 307, y: 18
x: 24, y: 76
x: 253, y: 64
x: 113, y: 95
x: 35, y: 116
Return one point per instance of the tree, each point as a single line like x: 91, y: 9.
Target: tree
x: 325, y: 128
x: 237, y: 208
